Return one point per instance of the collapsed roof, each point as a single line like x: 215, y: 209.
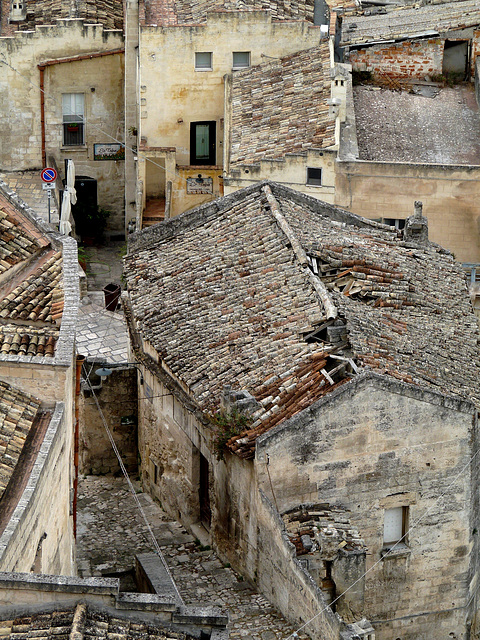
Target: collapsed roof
x: 283, y: 298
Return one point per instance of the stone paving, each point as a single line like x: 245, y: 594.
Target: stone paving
x: 102, y: 334
x: 111, y: 532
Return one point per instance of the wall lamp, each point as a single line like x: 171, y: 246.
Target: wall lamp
x: 104, y: 371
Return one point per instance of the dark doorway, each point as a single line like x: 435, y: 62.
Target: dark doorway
x: 455, y: 58
x: 204, y: 494
x: 202, y: 143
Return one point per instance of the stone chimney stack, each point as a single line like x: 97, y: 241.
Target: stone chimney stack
x: 416, y: 226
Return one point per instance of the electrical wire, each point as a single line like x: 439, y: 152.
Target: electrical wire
x: 133, y: 492
x: 391, y: 549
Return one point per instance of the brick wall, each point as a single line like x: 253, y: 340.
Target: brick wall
x: 403, y: 59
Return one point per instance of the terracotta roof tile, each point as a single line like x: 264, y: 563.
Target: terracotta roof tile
x: 109, y: 13
x: 247, y: 293
x: 281, y: 107
x: 17, y: 414
x: 177, y: 12
x: 39, y: 296
x: 87, y: 622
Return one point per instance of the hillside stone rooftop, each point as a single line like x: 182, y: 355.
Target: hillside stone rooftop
x: 182, y: 12
x: 281, y: 107
x: 409, y: 22
x: 396, y: 126
x: 283, y: 298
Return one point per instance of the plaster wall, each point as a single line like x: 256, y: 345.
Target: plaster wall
x: 39, y: 533
x: 173, y: 95
x: 450, y: 196
x: 376, y: 445
x: 290, y: 171
x: 104, y: 113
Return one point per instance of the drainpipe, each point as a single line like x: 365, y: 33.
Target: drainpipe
x: 42, y: 114
x: 76, y: 440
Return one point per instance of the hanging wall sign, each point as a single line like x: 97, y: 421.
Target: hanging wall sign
x: 108, y: 151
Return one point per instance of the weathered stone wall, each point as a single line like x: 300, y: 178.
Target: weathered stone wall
x: 477, y: 80
x: 117, y: 398
x: 374, y: 445
x: 235, y: 523
x: 450, y: 196
x: 413, y: 59
x: 290, y: 171
x: 40, y: 532
x: 99, y: 79
x: 283, y: 580
x: 170, y: 441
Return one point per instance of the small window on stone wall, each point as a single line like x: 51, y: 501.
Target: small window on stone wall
x: 395, y: 526
x: 314, y: 176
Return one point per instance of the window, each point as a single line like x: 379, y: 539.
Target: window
x: 398, y: 223
x: 203, y: 61
x: 314, y: 176
x: 73, y: 111
x: 202, y: 143
x: 241, y: 59
x: 395, y: 526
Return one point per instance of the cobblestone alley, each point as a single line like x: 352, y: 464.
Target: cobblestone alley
x: 111, y: 531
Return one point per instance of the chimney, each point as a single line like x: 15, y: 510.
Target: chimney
x: 18, y: 10
x: 416, y: 226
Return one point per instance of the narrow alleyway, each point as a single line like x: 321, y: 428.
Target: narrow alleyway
x: 111, y: 531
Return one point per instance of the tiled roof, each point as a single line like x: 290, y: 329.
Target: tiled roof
x: 177, y: 12
x: 239, y: 299
x: 17, y: 413
x: 31, y: 285
x: 410, y: 22
x: 19, y: 240
x: 38, y: 296
x: 109, y: 13
x: 281, y: 107
x: 82, y: 622
x: 27, y: 341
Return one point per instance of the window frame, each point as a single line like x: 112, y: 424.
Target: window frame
x: 202, y: 67
x: 309, y: 178
x: 238, y: 67
x: 211, y: 160
x: 73, y: 120
x: 401, y: 541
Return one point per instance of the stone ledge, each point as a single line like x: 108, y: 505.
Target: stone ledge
x: 66, y: 584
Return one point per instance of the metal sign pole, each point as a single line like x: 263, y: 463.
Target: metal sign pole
x: 49, y: 192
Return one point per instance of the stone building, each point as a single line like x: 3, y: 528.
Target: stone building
x: 179, y: 126
x: 39, y: 296
x: 282, y: 122
x: 414, y: 41
x: 61, y: 95
x: 299, y: 359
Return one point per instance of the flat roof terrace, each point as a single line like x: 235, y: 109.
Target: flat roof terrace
x: 397, y: 126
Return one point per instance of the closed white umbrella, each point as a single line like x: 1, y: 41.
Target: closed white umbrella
x: 69, y: 198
